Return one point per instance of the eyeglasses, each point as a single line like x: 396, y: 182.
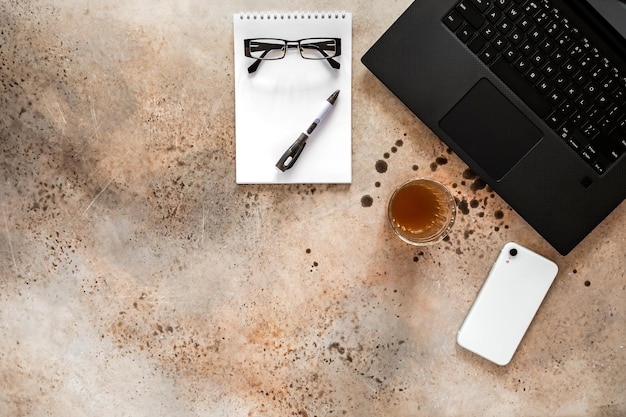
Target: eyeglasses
x: 266, y: 49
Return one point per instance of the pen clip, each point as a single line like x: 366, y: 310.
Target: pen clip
x: 291, y: 155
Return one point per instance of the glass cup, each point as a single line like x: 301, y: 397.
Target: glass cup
x: 421, y: 211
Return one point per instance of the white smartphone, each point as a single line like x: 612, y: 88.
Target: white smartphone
x: 506, y: 304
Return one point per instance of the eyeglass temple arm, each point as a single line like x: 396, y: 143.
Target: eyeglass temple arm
x: 331, y: 61
x: 255, y: 64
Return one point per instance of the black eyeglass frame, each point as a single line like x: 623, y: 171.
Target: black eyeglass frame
x: 287, y: 44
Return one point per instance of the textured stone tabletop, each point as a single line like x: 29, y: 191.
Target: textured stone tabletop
x: 137, y: 279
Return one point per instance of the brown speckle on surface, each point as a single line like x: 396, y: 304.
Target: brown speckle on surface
x: 367, y: 201
x: 381, y: 166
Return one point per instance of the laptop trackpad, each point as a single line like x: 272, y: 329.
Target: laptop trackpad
x: 490, y: 129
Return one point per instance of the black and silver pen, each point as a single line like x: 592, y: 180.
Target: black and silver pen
x: 291, y: 155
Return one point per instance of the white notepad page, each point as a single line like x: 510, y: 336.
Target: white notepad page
x: 275, y: 104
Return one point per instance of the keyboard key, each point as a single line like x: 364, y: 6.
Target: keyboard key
x: 502, y: 3
x: 535, y: 35
x: 453, y: 20
x: 566, y: 108
x: 572, y: 137
x: 555, y: 97
x: 576, y: 119
x: 516, y: 36
x: 488, y: 54
x: 580, y: 78
x: 558, y: 57
x: 575, y: 51
x: 531, y: 8
x: 533, y: 76
x: 538, y: 59
x: 589, y: 130
x: 476, y: 44
x: 499, y: 43
x: 589, y: 153
x: 488, y: 32
x: 614, y: 112
x: 513, y: 13
x: 548, y: 70
x: 572, y: 91
x: 593, y: 113
x: 591, y: 89
x: 504, y: 26
x: 521, y: 65
x: 569, y: 68
x: 554, y: 120
x: 465, y: 33
x: 599, y: 166
x: 553, y: 29
x: 608, y: 147
x: 494, y: 15
x: 525, y: 24
x: 583, y: 102
x: 605, y: 124
x: 481, y: 5
x: 602, y: 100
x: 547, y: 45
x: 544, y: 88
x: 519, y: 85
x: 470, y: 13
x: 542, y: 18
x: 527, y: 48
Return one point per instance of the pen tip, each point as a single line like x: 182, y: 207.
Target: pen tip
x: 333, y: 97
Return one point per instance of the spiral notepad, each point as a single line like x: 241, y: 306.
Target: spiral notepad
x: 275, y: 103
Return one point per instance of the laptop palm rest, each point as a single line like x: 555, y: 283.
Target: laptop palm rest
x: 490, y: 129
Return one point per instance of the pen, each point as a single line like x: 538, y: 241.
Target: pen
x: 291, y: 155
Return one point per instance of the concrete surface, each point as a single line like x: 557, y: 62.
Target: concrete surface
x: 136, y: 278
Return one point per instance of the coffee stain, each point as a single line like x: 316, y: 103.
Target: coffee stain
x: 381, y: 166
x: 367, y: 201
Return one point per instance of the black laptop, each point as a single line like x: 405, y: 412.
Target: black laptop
x: 530, y: 94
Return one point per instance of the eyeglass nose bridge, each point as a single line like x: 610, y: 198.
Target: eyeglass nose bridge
x: 293, y: 45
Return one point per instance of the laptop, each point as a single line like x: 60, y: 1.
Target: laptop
x: 530, y: 94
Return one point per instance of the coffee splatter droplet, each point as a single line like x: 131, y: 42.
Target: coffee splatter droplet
x: 415, y: 167
x: 498, y: 214
x: 381, y: 166
x: 367, y: 201
x: 433, y: 167
x: 399, y: 142
x: 386, y: 155
x: 441, y: 160
x: 377, y: 184
x: 587, y: 283
x: 394, y: 149
x: 478, y: 184
x: 462, y: 205
x: 468, y: 174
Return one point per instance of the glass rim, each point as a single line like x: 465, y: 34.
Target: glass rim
x: 443, y: 231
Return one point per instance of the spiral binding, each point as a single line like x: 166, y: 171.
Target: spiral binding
x: 291, y: 15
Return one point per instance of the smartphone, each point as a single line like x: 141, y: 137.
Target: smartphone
x: 506, y: 304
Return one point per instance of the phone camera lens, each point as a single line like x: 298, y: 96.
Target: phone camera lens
x: 513, y: 252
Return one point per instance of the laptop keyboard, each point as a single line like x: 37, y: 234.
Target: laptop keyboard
x: 554, y: 68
